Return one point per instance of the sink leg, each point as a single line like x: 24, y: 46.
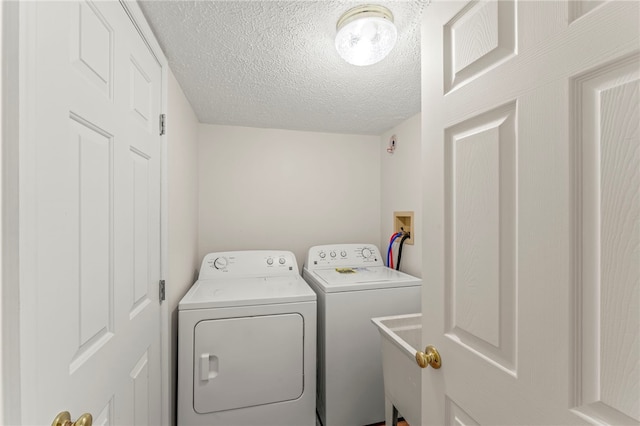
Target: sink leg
x: 390, y: 413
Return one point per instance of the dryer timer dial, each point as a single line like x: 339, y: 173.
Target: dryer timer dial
x: 220, y: 263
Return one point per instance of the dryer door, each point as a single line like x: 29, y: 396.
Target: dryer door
x: 247, y: 361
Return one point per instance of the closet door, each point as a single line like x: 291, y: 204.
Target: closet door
x: 531, y: 142
x: 89, y: 215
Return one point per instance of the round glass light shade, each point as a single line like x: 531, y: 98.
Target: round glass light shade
x: 365, y: 38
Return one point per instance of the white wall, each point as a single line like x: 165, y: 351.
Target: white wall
x: 1, y: 214
x: 183, y: 258
x: 9, y: 289
x: 401, y: 178
x: 289, y: 190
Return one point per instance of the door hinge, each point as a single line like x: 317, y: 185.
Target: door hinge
x: 162, y: 290
x: 163, y: 118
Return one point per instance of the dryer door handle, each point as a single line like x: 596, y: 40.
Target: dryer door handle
x: 208, y: 367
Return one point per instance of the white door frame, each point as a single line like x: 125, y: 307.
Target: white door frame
x: 12, y: 30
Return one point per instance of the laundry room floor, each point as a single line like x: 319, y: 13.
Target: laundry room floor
x: 400, y: 423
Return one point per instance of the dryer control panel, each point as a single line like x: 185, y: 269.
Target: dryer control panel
x: 253, y: 263
x: 343, y: 255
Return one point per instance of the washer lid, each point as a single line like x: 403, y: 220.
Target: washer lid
x: 358, y: 278
x: 246, y: 292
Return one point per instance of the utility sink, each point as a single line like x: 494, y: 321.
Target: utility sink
x: 401, y: 336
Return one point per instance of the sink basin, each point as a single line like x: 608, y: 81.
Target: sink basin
x: 401, y: 337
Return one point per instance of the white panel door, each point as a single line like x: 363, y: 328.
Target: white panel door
x: 531, y: 144
x: 89, y: 212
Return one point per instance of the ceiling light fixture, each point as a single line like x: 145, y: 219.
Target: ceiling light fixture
x: 366, y: 34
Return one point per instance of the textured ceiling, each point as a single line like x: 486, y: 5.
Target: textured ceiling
x: 273, y: 64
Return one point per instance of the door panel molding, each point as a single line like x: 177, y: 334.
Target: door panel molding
x: 480, y: 235
x: 480, y: 37
x: 606, y: 141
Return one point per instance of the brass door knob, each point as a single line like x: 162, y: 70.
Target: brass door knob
x: 430, y: 356
x: 64, y: 419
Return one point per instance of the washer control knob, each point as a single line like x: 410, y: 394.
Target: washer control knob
x: 333, y: 254
x: 366, y: 253
x: 220, y: 263
x: 282, y: 260
x: 322, y: 255
x: 343, y: 253
x: 269, y: 261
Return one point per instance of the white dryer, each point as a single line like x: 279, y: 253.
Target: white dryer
x: 247, y: 343
x: 353, y: 286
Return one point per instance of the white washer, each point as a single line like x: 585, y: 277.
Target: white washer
x: 247, y: 343
x: 353, y: 286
